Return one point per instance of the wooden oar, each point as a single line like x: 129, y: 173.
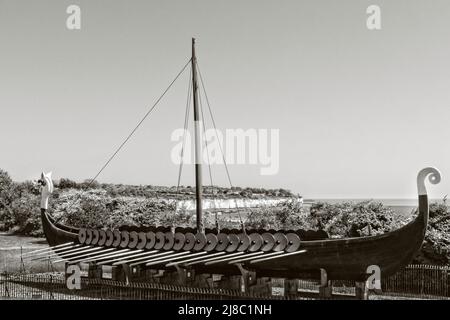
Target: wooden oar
x: 80, y: 251
x: 48, y: 249
x: 194, y: 259
x: 250, y: 258
x: 76, y: 255
x: 176, y: 258
x: 109, y: 255
x: 126, y: 256
x: 278, y: 257
x: 87, y: 255
x: 156, y: 255
x: 230, y: 258
x: 53, y: 251
x: 50, y: 255
x: 215, y: 258
x: 92, y: 258
x: 139, y: 256
x: 152, y: 261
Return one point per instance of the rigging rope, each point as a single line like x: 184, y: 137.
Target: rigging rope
x: 209, y: 165
x: 206, y: 141
x: 131, y: 133
x: 214, y: 124
x: 139, y: 124
x: 218, y: 141
x: 186, y: 124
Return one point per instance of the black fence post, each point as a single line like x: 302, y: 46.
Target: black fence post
x: 6, y: 285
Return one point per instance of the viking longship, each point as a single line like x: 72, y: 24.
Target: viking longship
x: 221, y: 251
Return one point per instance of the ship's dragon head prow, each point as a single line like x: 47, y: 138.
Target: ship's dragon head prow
x: 47, y: 188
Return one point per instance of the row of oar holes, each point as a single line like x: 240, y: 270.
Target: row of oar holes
x: 178, y: 241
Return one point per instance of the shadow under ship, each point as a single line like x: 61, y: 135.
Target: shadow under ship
x: 277, y: 253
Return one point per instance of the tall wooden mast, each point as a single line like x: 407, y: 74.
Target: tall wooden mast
x: 198, y: 143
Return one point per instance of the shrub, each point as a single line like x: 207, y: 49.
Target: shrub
x: 286, y: 215
x: 348, y: 219
x: 66, y: 184
x: 436, y: 247
x: 95, y: 208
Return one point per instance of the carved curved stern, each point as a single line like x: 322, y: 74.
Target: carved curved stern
x: 349, y: 259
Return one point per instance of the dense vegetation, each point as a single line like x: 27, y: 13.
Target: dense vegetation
x: 183, y: 192
x: 95, y: 205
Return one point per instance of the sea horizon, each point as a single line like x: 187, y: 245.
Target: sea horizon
x: 403, y: 206
x: 385, y: 201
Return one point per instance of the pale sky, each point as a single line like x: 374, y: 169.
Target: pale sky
x: 359, y: 112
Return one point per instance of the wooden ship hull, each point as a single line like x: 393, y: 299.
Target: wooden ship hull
x: 342, y: 259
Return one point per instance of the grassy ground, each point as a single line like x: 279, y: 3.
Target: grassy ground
x: 13, y: 246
